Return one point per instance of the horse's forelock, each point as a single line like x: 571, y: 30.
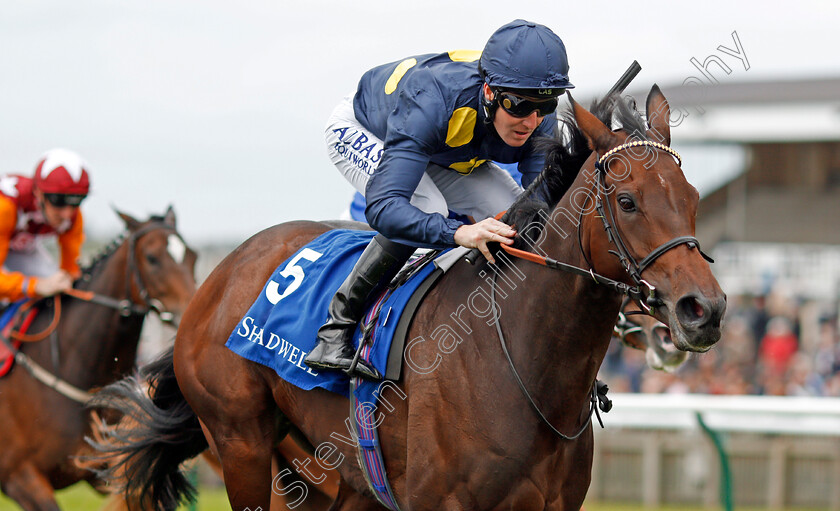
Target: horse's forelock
x: 619, y: 113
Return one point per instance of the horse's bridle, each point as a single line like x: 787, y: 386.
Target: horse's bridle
x: 126, y: 306
x: 647, y: 302
x: 634, y: 269
x: 151, y: 304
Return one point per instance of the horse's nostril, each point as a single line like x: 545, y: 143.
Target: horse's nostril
x: 698, y: 309
x: 691, y: 312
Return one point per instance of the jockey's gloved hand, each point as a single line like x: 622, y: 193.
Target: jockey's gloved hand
x: 56, y: 283
x: 486, y: 231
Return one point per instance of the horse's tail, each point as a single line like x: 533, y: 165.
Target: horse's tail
x: 142, y: 453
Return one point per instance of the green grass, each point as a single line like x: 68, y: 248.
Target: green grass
x: 611, y: 506
x: 81, y: 497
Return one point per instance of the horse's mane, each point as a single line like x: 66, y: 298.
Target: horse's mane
x: 103, y: 254
x: 109, y: 249
x: 565, y: 154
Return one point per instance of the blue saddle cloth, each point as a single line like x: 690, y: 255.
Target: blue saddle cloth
x: 281, y: 326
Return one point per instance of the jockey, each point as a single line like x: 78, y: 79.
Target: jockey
x: 31, y: 208
x: 418, y: 139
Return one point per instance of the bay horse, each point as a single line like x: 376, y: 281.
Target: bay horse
x: 613, y: 208
x: 93, y: 343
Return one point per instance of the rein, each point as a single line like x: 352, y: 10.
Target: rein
x: 594, y: 395
x: 125, y: 306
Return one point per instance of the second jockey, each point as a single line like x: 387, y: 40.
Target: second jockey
x: 418, y: 139
x: 32, y: 208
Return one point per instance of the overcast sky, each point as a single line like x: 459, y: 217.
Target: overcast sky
x: 218, y: 107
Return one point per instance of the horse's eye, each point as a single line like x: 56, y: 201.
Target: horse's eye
x: 626, y: 203
x: 154, y: 261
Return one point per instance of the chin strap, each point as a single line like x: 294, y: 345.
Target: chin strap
x: 489, y: 107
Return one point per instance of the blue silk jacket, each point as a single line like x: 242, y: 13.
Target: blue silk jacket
x: 427, y: 109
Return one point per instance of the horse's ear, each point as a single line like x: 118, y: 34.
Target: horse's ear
x: 169, y: 216
x: 658, y: 116
x: 599, y: 136
x: 130, y: 222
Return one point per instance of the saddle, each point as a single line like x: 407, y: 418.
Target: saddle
x: 370, y: 324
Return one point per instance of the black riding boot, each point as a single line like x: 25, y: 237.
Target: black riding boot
x: 380, y: 261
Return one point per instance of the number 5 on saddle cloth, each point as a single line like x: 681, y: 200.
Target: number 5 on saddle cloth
x: 281, y: 326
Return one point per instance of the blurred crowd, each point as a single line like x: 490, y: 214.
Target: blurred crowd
x: 776, y: 344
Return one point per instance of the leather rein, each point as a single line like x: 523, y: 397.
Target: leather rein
x: 645, y: 298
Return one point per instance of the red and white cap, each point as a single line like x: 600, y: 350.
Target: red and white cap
x: 62, y: 171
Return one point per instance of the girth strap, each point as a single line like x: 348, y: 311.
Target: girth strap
x: 369, y: 451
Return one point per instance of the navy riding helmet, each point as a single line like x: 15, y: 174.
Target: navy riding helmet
x: 524, y: 58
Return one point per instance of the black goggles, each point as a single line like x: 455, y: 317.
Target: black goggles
x: 61, y: 200
x: 520, y: 106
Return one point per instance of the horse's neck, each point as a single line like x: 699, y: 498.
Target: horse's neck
x: 101, y: 343
x: 564, y: 330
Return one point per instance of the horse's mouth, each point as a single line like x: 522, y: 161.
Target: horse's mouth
x: 698, y: 342
x: 666, y: 356
x: 663, y: 338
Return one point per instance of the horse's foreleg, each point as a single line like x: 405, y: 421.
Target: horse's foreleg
x: 30, y: 489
